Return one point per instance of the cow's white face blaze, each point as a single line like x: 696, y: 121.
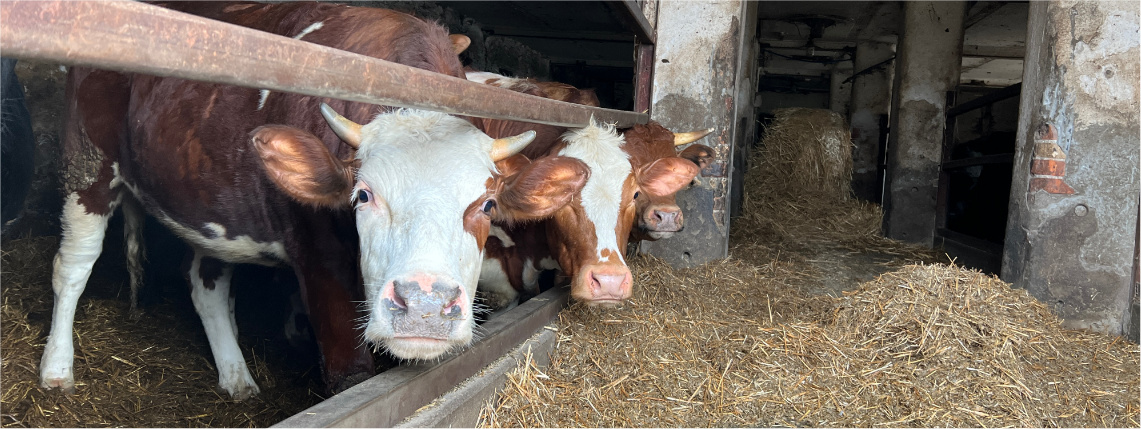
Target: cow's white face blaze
x: 424, y: 188
x: 593, y: 234
x: 421, y: 176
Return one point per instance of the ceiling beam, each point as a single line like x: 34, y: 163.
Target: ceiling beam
x: 1016, y: 52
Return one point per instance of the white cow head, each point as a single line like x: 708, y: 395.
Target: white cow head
x: 424, y: 188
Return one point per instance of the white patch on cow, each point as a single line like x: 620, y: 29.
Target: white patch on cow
x: 118, y: 180
x: 495, y: 286
x: 549, y: 264
x: 264, y: 97
x: 425, y: 168
x: 311, y: 28
x: 600, y: 147
x: 514, y: 84
x: 239, y: 250
x: 499, y: 233
x: 80, y: 245
x: 215, y: 308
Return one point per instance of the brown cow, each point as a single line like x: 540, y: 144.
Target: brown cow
x: 394, y: 213
x: 587, y: 238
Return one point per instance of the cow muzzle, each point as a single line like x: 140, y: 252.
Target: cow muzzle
x: 421, y: 317
x: 604, y: 285
x: 662, y: 221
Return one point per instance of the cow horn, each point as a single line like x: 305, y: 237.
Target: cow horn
x: 690, y: 137
x: 347, y: 130
x: 507, y: 146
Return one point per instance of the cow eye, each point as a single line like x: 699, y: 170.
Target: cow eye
x: 636, y: 194
x: 363, y: 196
x: 487, y: 206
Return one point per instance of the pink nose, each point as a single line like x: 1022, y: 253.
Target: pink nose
x: 423, y: 305
x: 668, y: 219
x: 610, y: 285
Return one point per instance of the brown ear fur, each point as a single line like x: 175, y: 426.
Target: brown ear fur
x: 701, y: 155
x: 302, y: 167
x: 460, y: 42
x: 666, y: 176
x: 541, y: 188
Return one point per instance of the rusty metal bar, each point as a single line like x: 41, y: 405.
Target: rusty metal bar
x: 644, y: 78
x: 142, y: 38
x: 389, y: 397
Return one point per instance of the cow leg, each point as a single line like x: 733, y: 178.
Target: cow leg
x: 210, y: 291
x: 334, y: 317
x: 80, y: 244
x: 133, y: 238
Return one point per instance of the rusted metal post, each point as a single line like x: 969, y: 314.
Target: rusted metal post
x: 142, y: 38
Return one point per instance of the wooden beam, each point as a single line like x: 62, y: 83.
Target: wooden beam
x: 141, y: 38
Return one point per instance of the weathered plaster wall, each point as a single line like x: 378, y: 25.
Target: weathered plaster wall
x: 697, y: 60
x: 927, y: 67
x: 871, y: 98
x: 1075, y: 251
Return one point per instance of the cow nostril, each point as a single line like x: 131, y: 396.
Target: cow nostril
x: 454, y: 309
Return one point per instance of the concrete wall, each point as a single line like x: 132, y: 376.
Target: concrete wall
x: 927, y: 67
x: 699, y: 62
x: 1070, y: 240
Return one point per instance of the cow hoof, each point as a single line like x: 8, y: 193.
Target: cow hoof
x: 242, y: 392
x: 64, y: 384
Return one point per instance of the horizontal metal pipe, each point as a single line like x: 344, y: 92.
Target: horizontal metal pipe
x: 142, y: 38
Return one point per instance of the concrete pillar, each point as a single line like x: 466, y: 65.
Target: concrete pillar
x: 1072, y: 230
x: 927, y: 66
x: 840, y: 93
x: 701, y: 60
x: 871, y: 100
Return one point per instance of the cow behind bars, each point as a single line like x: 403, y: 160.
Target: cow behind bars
x: 394, y: 213
x: 635, y: 175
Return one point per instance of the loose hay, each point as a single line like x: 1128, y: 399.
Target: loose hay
x: 155, y: 372
x: 751, y: 340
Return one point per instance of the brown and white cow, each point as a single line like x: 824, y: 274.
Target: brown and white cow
x: 587, y: 238
x: 394, y: 213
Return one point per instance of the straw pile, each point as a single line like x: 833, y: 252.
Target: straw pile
x: 154, y: 372
x: 810, y: 151
x: 754, y: 340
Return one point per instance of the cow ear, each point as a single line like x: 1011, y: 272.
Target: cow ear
x: 460, y: 42
x: 301, y: 165
x: 512, y: 165
x: 667, y: 175
x: 701, y: 155
x: 541, y: 188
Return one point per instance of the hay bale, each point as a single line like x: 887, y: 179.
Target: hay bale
x: 808, y: 152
